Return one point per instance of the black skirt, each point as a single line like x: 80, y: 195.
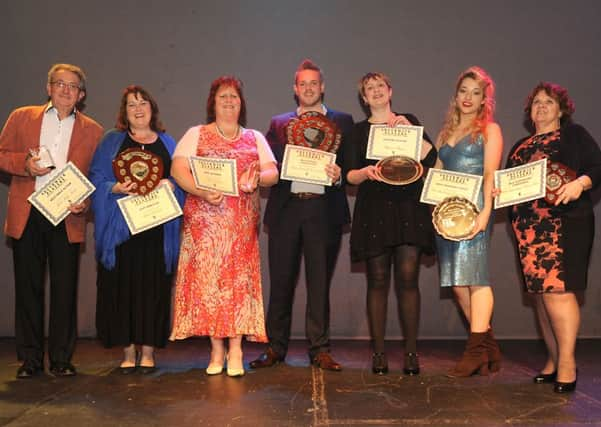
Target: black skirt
x: 133, y: 300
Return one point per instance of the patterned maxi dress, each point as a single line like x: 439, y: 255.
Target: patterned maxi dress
x: 218, y: 284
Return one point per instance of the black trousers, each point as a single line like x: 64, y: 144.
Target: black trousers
x: 40, y: 243
x: 302, y: 230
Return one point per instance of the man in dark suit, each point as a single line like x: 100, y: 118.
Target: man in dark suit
x: 304, y: 220
x: 68, y: 135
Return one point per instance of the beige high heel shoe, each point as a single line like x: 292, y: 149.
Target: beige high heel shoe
x: 237, y: 370
x: 215, y: 368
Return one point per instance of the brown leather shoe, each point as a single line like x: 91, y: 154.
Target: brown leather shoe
x: 267, y: 359
x: 324, y: 360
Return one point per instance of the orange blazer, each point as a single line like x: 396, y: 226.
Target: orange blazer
x: 22, y: 132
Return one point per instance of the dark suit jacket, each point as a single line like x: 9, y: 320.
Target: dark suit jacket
x: 338, y: 210
x: 21, y: 133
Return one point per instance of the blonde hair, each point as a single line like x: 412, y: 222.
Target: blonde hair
x: 485, y: 112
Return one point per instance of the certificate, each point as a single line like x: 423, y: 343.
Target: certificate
x: 306, y: 165
x: 521, y: 183
x: 147, y: 211
x: 215, y: 174
x: 385, y: 141
x: 68, y: 186
x: 440, y: 184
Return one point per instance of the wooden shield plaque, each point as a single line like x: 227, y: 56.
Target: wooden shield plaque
x: 557, y: 175
x: 314, y: 130
x: 142, y: 167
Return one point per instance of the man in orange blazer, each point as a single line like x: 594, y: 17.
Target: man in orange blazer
x: 68, y: 135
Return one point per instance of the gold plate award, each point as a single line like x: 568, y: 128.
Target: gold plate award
x: 399, y: 170
x: 455, y: 218
x: 314, y: 130
x: 142, y: 167
x: 557, y: 175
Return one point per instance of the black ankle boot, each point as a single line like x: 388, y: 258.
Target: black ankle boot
x: 379, y: 364
x: 411, y: 364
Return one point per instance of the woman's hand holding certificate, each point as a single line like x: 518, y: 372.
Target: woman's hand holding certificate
x: 213, y: 174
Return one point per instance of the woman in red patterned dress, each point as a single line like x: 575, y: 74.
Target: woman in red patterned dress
x: 555, y: 239
x: 218, y: 283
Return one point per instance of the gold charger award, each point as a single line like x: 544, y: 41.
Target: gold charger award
x: 66, y: 187
x: 143, y: 212
x: 215, y: 174
x: 454, y: 218
x: 314, y: 130
x: 142, y: 167
x: 440, y: 184
x: 306, y: 165
x: 521, y: 183
x: 399, y: 170
x: 386, y: 141
x: 558, y: 174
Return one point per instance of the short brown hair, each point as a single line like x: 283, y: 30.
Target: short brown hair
x: 138, y: 91
x: 307, y: 64
x: 226, y: 81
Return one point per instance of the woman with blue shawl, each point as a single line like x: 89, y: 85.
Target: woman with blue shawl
x: 135, y: 272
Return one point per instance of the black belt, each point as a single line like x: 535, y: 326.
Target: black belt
x: 306, y: 196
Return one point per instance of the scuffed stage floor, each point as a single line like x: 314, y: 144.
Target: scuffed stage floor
x: 295, y: 394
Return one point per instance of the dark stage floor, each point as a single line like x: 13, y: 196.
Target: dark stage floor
x: 294, y: 394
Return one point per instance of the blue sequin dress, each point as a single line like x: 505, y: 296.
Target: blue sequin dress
x: 464, y: 263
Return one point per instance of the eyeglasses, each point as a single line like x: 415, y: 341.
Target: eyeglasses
x: 62, y: 85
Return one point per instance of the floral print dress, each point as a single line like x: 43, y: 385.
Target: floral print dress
x: 218, y: 284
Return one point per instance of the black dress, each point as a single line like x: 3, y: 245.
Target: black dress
x: 555, y: 242
x: 134, y: 299
x: 387, y: 215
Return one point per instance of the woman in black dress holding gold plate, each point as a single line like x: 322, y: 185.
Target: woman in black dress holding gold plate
x: 390, y: 228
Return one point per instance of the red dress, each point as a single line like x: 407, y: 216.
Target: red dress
x: 218, y: 284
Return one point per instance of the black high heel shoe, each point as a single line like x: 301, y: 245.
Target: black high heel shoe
x: 545, y: 378
x: 561, y: 387
x: 379, y: 364
x: 411, y: 364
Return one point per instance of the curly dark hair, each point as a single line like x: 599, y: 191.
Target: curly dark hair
x: 559, y: 94
x: 230, y: 81
x: 139, y: 92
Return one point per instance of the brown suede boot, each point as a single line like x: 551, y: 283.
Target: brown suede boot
x: 494, y: 352
x: 474, y: 359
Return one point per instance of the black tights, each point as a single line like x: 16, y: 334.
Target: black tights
x: 405, y: 260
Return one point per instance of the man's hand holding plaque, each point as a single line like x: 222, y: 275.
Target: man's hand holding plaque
x: 310, y: 156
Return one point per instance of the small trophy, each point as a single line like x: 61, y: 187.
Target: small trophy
x: 45, y: 158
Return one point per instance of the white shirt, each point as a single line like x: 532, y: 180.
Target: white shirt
x: 56, y: 137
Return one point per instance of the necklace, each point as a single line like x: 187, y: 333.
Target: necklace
x: 233, y: 138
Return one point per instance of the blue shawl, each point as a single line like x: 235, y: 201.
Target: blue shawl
x: 110, y: 228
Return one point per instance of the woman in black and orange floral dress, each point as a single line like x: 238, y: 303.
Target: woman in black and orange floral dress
x: 555, y: 239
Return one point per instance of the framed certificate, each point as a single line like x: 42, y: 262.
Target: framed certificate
x: 521, y: 183
x: 215, y: 174
x: 386, y: 141
x: 306, y: 165
x: 68, y: 186
x: 440, y: 184
x: 150, y: 210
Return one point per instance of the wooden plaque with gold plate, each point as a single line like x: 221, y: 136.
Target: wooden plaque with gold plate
x: 143, y: 168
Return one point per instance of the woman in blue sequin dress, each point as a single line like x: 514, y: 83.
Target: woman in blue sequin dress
x: 471, y: 142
